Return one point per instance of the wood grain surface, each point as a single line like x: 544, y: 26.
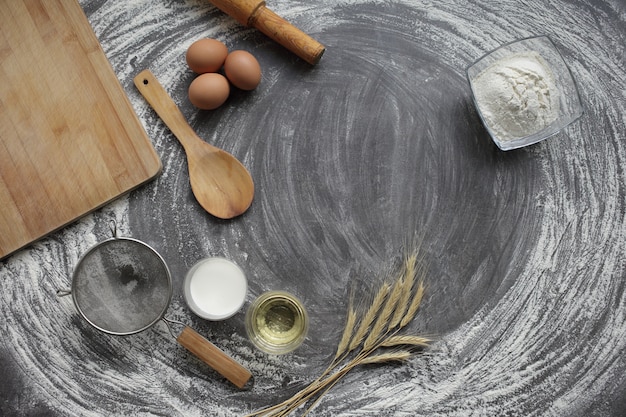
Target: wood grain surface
x: 70, y: 140
x: 214, y: 357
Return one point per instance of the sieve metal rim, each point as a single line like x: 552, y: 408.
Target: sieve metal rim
x: 99, y: 246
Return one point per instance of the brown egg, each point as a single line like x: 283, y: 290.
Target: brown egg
x: 206, y: 55
x: 209, y: 91
x: 242, y: 70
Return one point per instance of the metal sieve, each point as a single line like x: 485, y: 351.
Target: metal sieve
x: 122, y: 286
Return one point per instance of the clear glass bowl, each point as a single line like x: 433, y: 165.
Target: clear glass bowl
x: 277, y: 322
x: 567, y: 107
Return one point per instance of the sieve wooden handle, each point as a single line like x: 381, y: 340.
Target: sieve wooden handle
x: 253, y: 13
x: 214, y: 357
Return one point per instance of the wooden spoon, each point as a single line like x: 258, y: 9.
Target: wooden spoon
x: 221, y: 184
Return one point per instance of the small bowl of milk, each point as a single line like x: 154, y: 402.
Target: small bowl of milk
x: 215, y: 288
x: 524, y: 92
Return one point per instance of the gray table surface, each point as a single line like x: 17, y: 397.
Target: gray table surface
x: 352, y: 159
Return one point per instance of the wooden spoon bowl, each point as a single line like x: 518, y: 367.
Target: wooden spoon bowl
x: 220, y: 183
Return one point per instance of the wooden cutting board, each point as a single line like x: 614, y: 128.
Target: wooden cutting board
x: 69, y: 139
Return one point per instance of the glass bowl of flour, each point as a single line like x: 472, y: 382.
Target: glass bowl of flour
x: 524, y: 92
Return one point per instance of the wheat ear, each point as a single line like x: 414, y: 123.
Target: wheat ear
x: 382, y: 323
x: 407, y: 287
x: 405, y: 340
x: 415, y: 304
x: 347, y: 332
x: 397, y: 356
x: 369, y: 316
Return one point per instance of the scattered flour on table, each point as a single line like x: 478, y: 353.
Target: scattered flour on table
x: 517, y: 95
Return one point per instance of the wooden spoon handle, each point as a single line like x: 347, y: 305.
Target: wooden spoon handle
x: 168, y: 111
x: 214, y: 357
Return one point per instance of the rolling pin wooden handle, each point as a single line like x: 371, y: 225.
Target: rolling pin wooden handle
x: 254, y: 13
x: 287, y: 35
x: 214, y: 357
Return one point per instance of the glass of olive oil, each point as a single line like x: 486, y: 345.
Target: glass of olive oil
x: 277, y: 322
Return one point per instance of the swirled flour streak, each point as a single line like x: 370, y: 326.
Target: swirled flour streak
x: 352, y: 159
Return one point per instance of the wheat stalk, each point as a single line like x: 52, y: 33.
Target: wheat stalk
x: 392, y: 308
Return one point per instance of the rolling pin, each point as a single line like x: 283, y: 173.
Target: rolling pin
x: 253, y: 13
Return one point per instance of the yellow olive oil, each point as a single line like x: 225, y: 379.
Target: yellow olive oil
x: 277, y: 322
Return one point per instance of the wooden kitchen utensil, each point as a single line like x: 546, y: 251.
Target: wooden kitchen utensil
x: 221, y: 184
x: 255, y: 14
x: 70, y: 141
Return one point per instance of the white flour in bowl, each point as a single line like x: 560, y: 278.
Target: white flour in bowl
x: 517, y: 95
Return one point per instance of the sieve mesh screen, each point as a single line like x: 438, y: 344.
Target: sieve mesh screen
x: 121, y: 286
